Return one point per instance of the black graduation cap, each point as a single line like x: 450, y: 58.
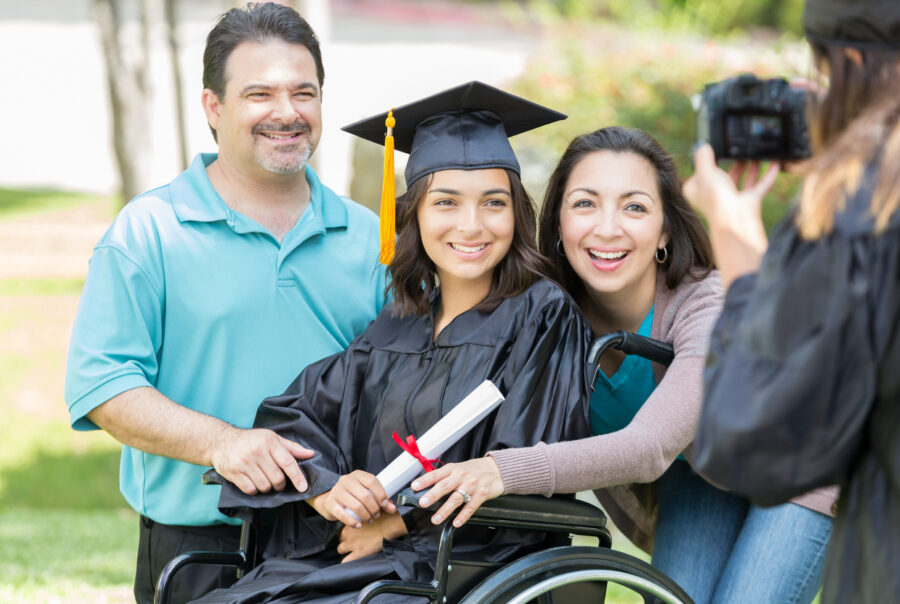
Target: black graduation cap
x: 466, y: 127
x: 861, y: 23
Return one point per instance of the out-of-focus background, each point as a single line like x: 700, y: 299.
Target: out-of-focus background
x: 101, y: 101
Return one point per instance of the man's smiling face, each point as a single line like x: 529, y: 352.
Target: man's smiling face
x: 270, y: 118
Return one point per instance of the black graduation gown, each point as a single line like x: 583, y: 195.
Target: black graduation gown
x: 803, y: 390
x: 394, y: 377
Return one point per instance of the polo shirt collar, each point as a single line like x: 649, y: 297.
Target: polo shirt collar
x: 325, y: 202
x: 193, y: 196
x: 195, y: 200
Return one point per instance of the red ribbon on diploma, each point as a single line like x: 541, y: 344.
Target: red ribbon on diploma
x: 411, y: 447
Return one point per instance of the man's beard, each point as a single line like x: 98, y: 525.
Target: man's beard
x: 289, y: 158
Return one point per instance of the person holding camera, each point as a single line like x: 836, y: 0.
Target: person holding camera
x: 802, y: 383
x: 634, y: 256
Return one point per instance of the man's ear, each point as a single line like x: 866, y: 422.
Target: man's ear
x: 211, y: 107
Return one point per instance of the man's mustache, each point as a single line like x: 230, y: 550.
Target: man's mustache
x: 301, y: 127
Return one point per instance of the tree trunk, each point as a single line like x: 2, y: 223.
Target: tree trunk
x: 129, y: 93
x: 177, y: 87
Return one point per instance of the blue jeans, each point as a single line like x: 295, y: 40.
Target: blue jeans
x: 721, y: 548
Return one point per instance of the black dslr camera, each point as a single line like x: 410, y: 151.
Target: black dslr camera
x: 748, y: 118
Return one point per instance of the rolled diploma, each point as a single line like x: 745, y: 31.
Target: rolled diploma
x: 440, y: 437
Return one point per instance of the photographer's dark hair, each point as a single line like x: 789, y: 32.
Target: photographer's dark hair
x: 689, y: 250
x: 852, y: 126
x: 258, y: 22
x: 412, y: 273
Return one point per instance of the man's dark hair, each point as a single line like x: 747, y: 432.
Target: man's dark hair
x: 689, y: 252
x: 412, y: 273
x: 258, y: 22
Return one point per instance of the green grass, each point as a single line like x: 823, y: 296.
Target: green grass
x: 62, y: 548
x: 41, y: 287
x: 17, y: 202
x: 66, y: 534
x: 44, y: 464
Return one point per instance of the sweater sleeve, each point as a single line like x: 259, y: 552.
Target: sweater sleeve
x: 663, y: 428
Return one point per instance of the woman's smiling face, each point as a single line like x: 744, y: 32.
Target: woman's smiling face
x: 611, y: 223
x: 466, y: 223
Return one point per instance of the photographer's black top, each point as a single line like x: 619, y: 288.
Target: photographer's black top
x: 803, y: 390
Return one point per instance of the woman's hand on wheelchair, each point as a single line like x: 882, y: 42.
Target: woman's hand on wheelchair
x: 478, y: 478
x: 358, y: 492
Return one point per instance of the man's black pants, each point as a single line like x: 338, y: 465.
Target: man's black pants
x: 159, y: 543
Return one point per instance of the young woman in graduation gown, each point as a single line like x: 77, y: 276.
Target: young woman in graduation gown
x: 803, y: 387
x: 635, y: 256
x: 470, y: 303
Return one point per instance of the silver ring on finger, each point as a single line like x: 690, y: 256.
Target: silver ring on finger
x: 466, y: 497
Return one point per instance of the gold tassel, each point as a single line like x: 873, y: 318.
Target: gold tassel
x: 388, y: 198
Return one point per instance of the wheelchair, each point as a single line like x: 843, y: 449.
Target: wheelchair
x: 561, y: 574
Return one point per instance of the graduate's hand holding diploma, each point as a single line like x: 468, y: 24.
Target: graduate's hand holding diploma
x: 478, y: 478
x: 363, y: 495
x: 359, y: 493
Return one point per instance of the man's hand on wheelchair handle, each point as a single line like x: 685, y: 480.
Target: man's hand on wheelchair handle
x: 478, y: 478
x: 358, y: 492
x: 258, y: 460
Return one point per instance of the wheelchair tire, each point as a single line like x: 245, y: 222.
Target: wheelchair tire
x: 539, y: 573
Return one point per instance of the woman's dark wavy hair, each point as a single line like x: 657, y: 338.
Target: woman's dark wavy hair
x: 689, y: 249
x: 413, y: 275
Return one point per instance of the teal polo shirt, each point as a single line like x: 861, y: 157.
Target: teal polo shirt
x: 202, y: 303
x: 617, y: 399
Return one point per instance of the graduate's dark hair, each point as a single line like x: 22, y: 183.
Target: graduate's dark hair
x: 258, y: 22
x: 689, y: 250
x: 412, y: 274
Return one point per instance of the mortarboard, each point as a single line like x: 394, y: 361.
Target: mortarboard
x: 463, y: 128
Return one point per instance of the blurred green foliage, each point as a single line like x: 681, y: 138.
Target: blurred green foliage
x: 711, y: 17
x: 600, y: 76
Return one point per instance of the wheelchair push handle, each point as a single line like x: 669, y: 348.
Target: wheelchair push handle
x: 631, y: 343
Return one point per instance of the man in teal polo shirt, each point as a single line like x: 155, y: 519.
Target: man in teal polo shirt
x: 212, y: 292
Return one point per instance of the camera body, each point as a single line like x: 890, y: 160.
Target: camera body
x: 748, y: 118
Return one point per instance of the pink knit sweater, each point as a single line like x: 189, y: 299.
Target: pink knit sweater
x: 620, y: 467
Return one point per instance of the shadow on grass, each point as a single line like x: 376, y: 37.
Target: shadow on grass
x: 64, y: 527
x: 51, y: 480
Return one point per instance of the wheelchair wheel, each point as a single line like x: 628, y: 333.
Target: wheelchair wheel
x: 563, y: 568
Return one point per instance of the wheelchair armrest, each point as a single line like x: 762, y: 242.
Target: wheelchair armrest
x: 530, y: 511
x: 237, y: 559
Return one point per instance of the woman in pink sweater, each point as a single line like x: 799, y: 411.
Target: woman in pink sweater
x: 634, y: 256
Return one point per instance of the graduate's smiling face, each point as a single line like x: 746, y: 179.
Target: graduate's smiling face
x: 611, y: 223
x: 269, y: 118
x: 466, y: 224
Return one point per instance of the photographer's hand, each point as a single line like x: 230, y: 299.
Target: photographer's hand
x: 735, y: 224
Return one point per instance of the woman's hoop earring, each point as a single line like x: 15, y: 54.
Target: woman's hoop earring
x: 559, y: 247
x: 665, y: 255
